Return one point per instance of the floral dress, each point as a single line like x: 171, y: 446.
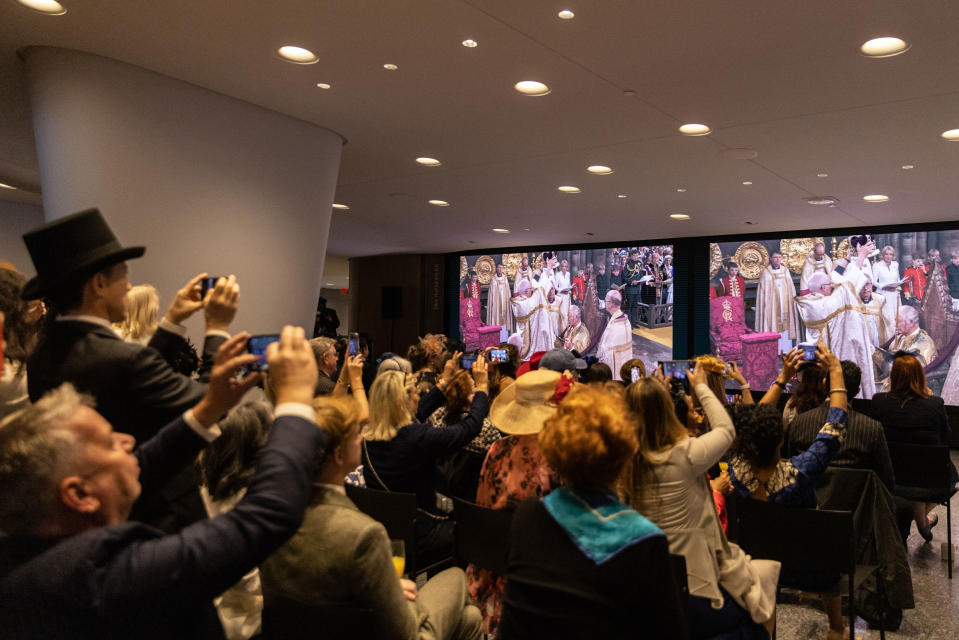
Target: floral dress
x: 514, y: 469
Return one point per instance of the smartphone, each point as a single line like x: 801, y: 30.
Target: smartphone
x: 206, y: 284
x: 635, y: 374
x: 354, y: 344
x: 498, y: 355
x: 257, y: 346
x: 467, y: 360
x: 677, y: 368
x: 728, y: 371
x: 808, y: 352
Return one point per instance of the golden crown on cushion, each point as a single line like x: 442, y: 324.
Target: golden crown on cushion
x: 712, y: 363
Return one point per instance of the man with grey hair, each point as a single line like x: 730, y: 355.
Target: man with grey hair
x: 72, y: 566
x: 576, y: 335
x: 616, y: 345
x: 910, y: 338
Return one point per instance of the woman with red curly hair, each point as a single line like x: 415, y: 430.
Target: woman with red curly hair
x: 581, y: 563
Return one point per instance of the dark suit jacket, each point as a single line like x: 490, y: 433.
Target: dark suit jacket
x: 131, y: 581
x: 919, y: 421
x: 135, y: 387
x: 864, y: 445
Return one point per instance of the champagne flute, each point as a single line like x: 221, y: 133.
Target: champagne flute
x: 398, y: 551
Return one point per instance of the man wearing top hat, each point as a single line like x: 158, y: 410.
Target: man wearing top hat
x: 81, y: 269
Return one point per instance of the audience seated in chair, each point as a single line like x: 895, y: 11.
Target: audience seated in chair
x: 757, y: 471
x: 667, y: 483
x: 341, y: 558
x: 576, y: 554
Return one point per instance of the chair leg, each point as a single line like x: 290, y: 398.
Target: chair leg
x: 852, y: 604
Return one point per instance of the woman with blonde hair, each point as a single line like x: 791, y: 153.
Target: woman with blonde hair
x: 667, y: 483
x: 400, y: 452
x: 576, y: 553
x: 143, y: 309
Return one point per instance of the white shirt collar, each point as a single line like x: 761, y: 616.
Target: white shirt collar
x: 103, y: 322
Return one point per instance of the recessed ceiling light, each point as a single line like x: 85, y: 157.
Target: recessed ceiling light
x: 822, y: 201
x: 878, y: 197
x: 389, y: 66
x: 330, y: 284
x: 681, y: 190
x: 622, y: 195
x: 439, y: 203
x: 501, y: 230
x: 747, y: 183
x: 469, y: 43
x: 566, y: 14
x: 884, y: 47
x: 679, y: 216
x: 952, y: 135
x: 6, y: 186
x: 907, y: 167
x: 342, y: 207
x: 599, y: 169
x: 297, y: 55
x: 323, y: 85
x: 695, y: 130
x: 49, y: 7
x: 822, y: 175
x: 429, y: 162
x: 531, y: 88
x: 569, y: 189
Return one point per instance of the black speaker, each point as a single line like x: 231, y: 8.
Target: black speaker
x: 392, y: 303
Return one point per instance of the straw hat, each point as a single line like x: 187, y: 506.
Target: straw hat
x: 521, y: 408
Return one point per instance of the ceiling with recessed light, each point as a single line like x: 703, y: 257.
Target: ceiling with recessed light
x: 787, y: 81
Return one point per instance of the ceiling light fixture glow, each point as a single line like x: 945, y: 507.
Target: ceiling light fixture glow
x: 907, y: 167
x: 622, y: 195
x: 341, y: 207
x: 878, y: 197
x: 599, y: 169
x: 389, y: 66
x: 532, y: 88
x: 469, y: 43
x: 501, y: 230
x: 822, y: 175
x: 323, y: 85
x: 439, y: 203
x: 747, y: 183
x: 297, y: 55
x: 47, y: 7
x: 6, y: 186
x: 429, y: 162
x: 569, y: 189
x: 884, y: 47
x: 681, y: 190
x: 695, y: 130
x: 566, y: 14
x: 952, y: 135
x: 679, y: 216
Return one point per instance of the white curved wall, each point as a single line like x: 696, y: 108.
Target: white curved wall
x: 205, y: 181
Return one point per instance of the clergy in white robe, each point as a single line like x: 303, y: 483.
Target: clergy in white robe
x: 872, y: 308
x: 885, y: 278
x: 775, y: 309
x: 535, y: 320
x: 816, y: 262
x: 616, y: 345
x: 523, y: 272
x: 833, y: 315
x: 498, y: 309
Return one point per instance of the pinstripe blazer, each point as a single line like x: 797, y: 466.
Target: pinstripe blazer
x: 864, y: 445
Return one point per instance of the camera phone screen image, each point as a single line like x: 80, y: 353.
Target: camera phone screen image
x: 808, y: 351
x: 467, y: 360
x: 257, y: 346
x: 498, y: 355
x: 354, y: 347
x: 675, y: 368
x: 206, y: 284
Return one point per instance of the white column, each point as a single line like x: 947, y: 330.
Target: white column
x: 205, y: 181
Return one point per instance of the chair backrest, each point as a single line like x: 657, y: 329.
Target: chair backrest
x: 481, y: 535
x: 288, y: 619
x: 810, y: 539
x: 923, y: 466
x: 682, y: 580
x: 394, y: 510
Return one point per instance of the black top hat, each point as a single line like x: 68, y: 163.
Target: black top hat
x: 72, y: 247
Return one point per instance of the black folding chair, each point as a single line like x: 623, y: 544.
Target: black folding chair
x: 923, y: 474
x: 481, y: 536
x: 288, y: 619
x: 682, y: 581
x: 396, y: 511
x: 808, y: 539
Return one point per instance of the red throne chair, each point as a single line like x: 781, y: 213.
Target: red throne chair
x: 756, y: 352
x: 476, y: 335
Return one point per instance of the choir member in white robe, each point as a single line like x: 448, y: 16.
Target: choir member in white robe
x: 872, y: 308
x: 885, y: 278
x: 832, y: 313
x: 616, y: 345
x: 535, y: 320
x: 816, y: 262
x: 775, y: 309
x: 498, y: 309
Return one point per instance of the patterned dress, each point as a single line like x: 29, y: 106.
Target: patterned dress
x: 514, y: 469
